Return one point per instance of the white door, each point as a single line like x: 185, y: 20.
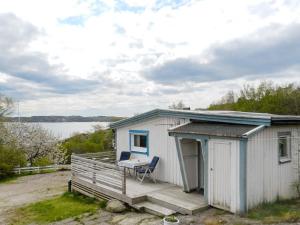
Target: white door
x: 220, y: 174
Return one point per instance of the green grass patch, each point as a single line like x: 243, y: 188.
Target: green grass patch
x: 56, y: 209
x: 7, y: 180
x: 281, y: 211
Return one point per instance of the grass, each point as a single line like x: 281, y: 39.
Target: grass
x: 56, y: 209
x: 7, y: 180
x: 281, y: 211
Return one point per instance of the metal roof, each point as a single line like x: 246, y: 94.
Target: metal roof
x: 234, y: 117
x: 213, y: 129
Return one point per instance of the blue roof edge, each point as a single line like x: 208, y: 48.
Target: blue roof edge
x: 194, y: 116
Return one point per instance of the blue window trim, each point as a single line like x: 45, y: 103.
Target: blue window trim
x: 144, y: 132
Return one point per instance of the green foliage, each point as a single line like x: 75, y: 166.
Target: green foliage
x: 9, y: 159
x: 265, y: 98
x: 42, y: 161
x: 100, y: 140
x: 171, y: 219
x: 281, y: 211
x: 56, y: 209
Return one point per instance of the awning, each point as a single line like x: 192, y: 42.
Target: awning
x: 213, y: 129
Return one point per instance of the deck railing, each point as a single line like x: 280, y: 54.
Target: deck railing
x: 99, y: 169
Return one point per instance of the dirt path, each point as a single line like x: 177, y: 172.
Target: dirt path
x: 30, y: 189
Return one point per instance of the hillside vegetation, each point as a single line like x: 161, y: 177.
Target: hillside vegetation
x: 265, y: 98
x: 98, y: 141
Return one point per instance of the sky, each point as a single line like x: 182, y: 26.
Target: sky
x: 122, y: 57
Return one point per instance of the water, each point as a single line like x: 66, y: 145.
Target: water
x: 64, y: 130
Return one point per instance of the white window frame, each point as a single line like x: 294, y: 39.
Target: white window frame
x: 136, y: 149
x: 288, y: 157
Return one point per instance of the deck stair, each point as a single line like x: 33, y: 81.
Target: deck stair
x: 180, y: 202
x: 153, y: 208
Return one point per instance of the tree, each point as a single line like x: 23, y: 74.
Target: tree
x: 6, y: 105
x: 265, y: 98
x: 35, y: 141
x: 177, y: 105
x: 9, y: 159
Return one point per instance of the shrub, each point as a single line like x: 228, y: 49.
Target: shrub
x: 42, y: 161
x: 98, y: 141
x: 9, y: 159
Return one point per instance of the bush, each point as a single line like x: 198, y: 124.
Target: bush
x: 9, y: 159
x: 98, y: 141
x: 42, y: 161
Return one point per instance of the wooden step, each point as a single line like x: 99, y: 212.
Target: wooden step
x: 178, y: 203
x: 153, y: 208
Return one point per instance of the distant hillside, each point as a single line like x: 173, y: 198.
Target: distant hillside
x: 53, y: 119
x: 264, y: 98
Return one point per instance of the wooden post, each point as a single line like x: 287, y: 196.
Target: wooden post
x: 124, y: 182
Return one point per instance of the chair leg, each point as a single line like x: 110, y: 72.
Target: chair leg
x: 152, y: 177
x: 144, y: 176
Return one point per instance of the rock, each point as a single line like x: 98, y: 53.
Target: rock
x: 115, y: 206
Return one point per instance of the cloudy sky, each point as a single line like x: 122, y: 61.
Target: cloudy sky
x: 121, y: 57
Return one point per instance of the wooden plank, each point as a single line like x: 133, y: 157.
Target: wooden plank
x: 91, y: 168
x: 96, y: 162
x: 108, y: 183
x: 103, y: 190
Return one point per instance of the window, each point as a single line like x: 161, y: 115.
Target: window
x: 284, y: 146
x: 138, y: 141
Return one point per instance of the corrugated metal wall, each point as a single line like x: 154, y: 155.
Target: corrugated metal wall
x: 160, y: 144
x: 267, y: 179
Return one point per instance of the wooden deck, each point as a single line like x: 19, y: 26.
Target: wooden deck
x: 162, y: 198
x: 163, y: 194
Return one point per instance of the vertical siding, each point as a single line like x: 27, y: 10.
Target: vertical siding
x: 160, y: 144
x: 267, y: 179
x: 230, y: 180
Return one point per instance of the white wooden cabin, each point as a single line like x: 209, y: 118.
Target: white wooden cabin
x: 236, y: 160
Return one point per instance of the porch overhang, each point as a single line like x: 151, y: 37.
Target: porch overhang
x: 202, y: 132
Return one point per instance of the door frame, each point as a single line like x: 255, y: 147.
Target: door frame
x: 204, y: 143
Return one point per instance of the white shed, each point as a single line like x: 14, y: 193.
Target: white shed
x: 237, y: 160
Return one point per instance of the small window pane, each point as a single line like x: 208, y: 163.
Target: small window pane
x: 136, y: 140
x: 143, y: 141
x: 284, y: 147
x: 140, y: 141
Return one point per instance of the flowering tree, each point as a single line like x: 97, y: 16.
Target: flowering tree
x: 6, y: 105
x: 33, y: 140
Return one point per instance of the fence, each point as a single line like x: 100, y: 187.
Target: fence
x: 38, y: 169
x: 106, y: 157
x: 98, y: 171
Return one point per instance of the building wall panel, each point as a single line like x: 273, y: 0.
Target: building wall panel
x: 267, y: 179
x: 160, y: 144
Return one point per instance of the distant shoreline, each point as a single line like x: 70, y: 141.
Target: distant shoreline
x: 63, y: 119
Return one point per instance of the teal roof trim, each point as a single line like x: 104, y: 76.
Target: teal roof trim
x: 195, y: 115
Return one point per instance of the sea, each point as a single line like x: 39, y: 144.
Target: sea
x: 63, y: 130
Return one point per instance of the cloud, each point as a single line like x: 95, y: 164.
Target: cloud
x: 19, y: 62
x: 271, y: 50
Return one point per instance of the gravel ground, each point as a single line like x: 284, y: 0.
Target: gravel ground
x: 30, y: 189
